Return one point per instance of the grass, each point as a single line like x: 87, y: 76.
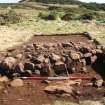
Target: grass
x: 11, y: 37
x: 62, y: 103
x: 58, y: 26
x: 18, y: 33
x: 86, y: 102
x: 15, y: 34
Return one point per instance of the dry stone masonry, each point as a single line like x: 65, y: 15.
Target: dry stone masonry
x: 51, y: 59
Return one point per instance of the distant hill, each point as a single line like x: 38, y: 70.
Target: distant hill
x: 54, y: 1
x: 91, y: 6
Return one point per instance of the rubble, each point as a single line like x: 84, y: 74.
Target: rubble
x: 70, y: 58
x: 56, y: 59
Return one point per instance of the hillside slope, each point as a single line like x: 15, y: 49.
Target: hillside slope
x: 91, y: 6
x: 54, y: 1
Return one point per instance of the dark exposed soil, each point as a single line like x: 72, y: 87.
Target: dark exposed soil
x: 32, y: 92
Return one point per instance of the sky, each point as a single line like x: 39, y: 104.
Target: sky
x: 9, y: 1
x: 98, y: 1
x: 14, y: 1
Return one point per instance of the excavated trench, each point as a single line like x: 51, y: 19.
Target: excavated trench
x: 57, y: 55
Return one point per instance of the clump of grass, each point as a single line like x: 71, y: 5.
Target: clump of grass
x: 87, y: 16
x: 10, y: 17
x: 65, y: 103
x: 69, y: 16
x: 62, y: 103
x: 51, y: 15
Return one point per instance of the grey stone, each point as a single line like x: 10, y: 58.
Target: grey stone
x: 29, y: 66
x: 59, y: 67
x: 93, y: 58
x: 83, y: 70
x: 41, y: 58
x: 83, y: 61
x: 8, y: 63
x: 87, y: 55
x: 74, y: 55
x: 19, y: 56
x: 55, y: 57
x: 19, y: 67
x: 67, y: 44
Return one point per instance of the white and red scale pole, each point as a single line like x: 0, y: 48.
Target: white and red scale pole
x: 55, y: 78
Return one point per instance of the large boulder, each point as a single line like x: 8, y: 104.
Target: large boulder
x: 41, y: 58
x: 98, y: 83
x: 99, y: 47
x: 60, y: 88
x: 93, y: 58
x: 55, y: 57
x: 74, y: 55
x: 38, y: 59
x: 98, y: 51
x: 84, y: 50
x: 46, y: 70
x: 47, y: 61
x: 67, y: 44
x: 8, y: 63
x: 29, y: 66
x: 19, y: 67
x: 19, y: 56
x: 83, y: 61
x: 59, y: 67
x: 16, y: 83
x: 87, y: 55
x: 94, y: 51
x: 83, y: 70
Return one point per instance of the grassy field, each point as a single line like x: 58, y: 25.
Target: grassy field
x: 15, y: 34
x: 39, y: 26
